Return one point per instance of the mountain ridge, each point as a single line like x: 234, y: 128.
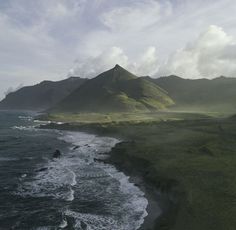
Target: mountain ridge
x: 115, y: 90
x: 40, y: 96
x: 118, y: 90
x: 214, y: 95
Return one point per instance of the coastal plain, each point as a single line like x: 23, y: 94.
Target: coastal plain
x: 189, y: 158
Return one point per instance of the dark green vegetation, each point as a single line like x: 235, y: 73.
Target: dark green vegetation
x: 110, y: 118
x: 118, y: 90
x: 115, y: 90
x: 41, y: 96
x: 192, y: 161
x: 217, y: 95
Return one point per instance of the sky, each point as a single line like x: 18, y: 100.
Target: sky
x: 54, y: 39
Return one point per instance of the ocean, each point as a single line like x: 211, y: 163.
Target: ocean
x: 74, y: 191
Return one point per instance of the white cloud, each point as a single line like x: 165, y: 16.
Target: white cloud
x: 31, y: 48
x: 41, y: 39
x: 136, y: 17
x: 145, y: 64
x: 92, y: 66
x: 12, y: 89
x: 148, y: 63
x: 210, y: 55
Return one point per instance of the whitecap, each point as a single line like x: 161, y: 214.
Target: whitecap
x: 94, y: 222
x: 63, y: 224
x: 94, y: 146
x: 41, y: 122
x: 8, y: 159
x: 57, y: 181
x: 73, y: 178
x: 70, y: 196
x: 27, y: 128
x: 23, y: 175
x: 25, y: 118
x: 77, y: 176
x: 43, y: 228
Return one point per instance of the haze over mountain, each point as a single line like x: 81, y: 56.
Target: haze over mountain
x: 115, y: 90
x: 41, y: 96
x: 217, y: 95
x: 118, y: 90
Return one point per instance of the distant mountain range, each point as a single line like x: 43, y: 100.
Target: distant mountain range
x: 118, y: 90
x: 115, y: 90
x: 41, y: 96
x: 217, y: 95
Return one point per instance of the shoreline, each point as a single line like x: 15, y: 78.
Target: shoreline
x: 152, y: 195
x: 162, y: 205
x: 159, y: 203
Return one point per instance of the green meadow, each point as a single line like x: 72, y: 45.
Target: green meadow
x: 191, y: 158
x: 109, y: 118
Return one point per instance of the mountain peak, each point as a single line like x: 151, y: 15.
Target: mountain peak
x: 115, y: 90
x: 117, y: 66
x: 117, y: 73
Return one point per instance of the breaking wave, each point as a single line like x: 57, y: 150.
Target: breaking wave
x: 97, y: 196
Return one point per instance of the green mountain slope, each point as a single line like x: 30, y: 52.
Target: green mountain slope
x: 41, y: 96
x: 115, y: 90
x: 217, y: 95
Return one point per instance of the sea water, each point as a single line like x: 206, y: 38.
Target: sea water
x: 75, y: 191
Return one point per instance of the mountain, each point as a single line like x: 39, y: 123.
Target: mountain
x: 41, y: 96
x: 115, y: 90
x: 217, y: 95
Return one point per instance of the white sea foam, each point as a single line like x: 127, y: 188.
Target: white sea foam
x: 49, y: 122
x: 94, y: 222
x: 70, y: 196
x: 135, y: 202
x: 77, y: 176
x: 42, y: 122
x: 8, y: 159
x: 56, y: 180
x: 59, y: 123
x: 26, y: 118
x: 43, y: 228
x: 63, y: 224
x: 73, y: 178
x: 27, y: 128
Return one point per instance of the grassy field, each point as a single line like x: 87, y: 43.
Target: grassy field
x: 192, y: 158
x: 195, y: 161
x: 107, y: 118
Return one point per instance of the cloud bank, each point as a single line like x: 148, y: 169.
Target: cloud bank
x: 41, y: 39
x: 211, y: 55
x: 146, y: 64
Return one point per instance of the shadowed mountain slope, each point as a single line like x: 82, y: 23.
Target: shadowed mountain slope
x: 115, y: 90
x: 41, y: 96
x: 217, y: 95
